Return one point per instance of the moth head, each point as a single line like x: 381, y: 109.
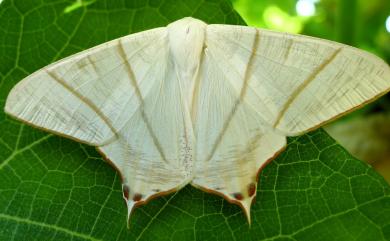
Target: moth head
x: 186, y: 39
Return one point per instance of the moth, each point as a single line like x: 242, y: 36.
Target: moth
x: 191, y: 103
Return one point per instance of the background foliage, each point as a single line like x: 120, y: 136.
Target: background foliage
x: 52, y: 188
x: 359, y: 23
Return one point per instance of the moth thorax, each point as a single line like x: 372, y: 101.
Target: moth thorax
x: 186, y: 37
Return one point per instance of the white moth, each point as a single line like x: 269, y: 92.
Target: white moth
x: 194, y: 103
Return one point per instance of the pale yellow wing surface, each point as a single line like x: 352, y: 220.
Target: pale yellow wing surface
x: 154, y: 148
x: 85, y: 96
x: 124, y: 97
x: 233, y: 141
x: 298, y: 82
x: 256, y: 87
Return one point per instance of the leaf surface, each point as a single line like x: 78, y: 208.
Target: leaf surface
x: 52, y: 188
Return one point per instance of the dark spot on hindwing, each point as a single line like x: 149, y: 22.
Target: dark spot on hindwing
x: 126, y: 190
x: 251, y: 189
x: 238, y: 196
x: 137, y: 197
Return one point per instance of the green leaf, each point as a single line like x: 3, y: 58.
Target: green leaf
x: 52, y: 188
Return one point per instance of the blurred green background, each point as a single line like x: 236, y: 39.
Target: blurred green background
x: 361, y: 23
